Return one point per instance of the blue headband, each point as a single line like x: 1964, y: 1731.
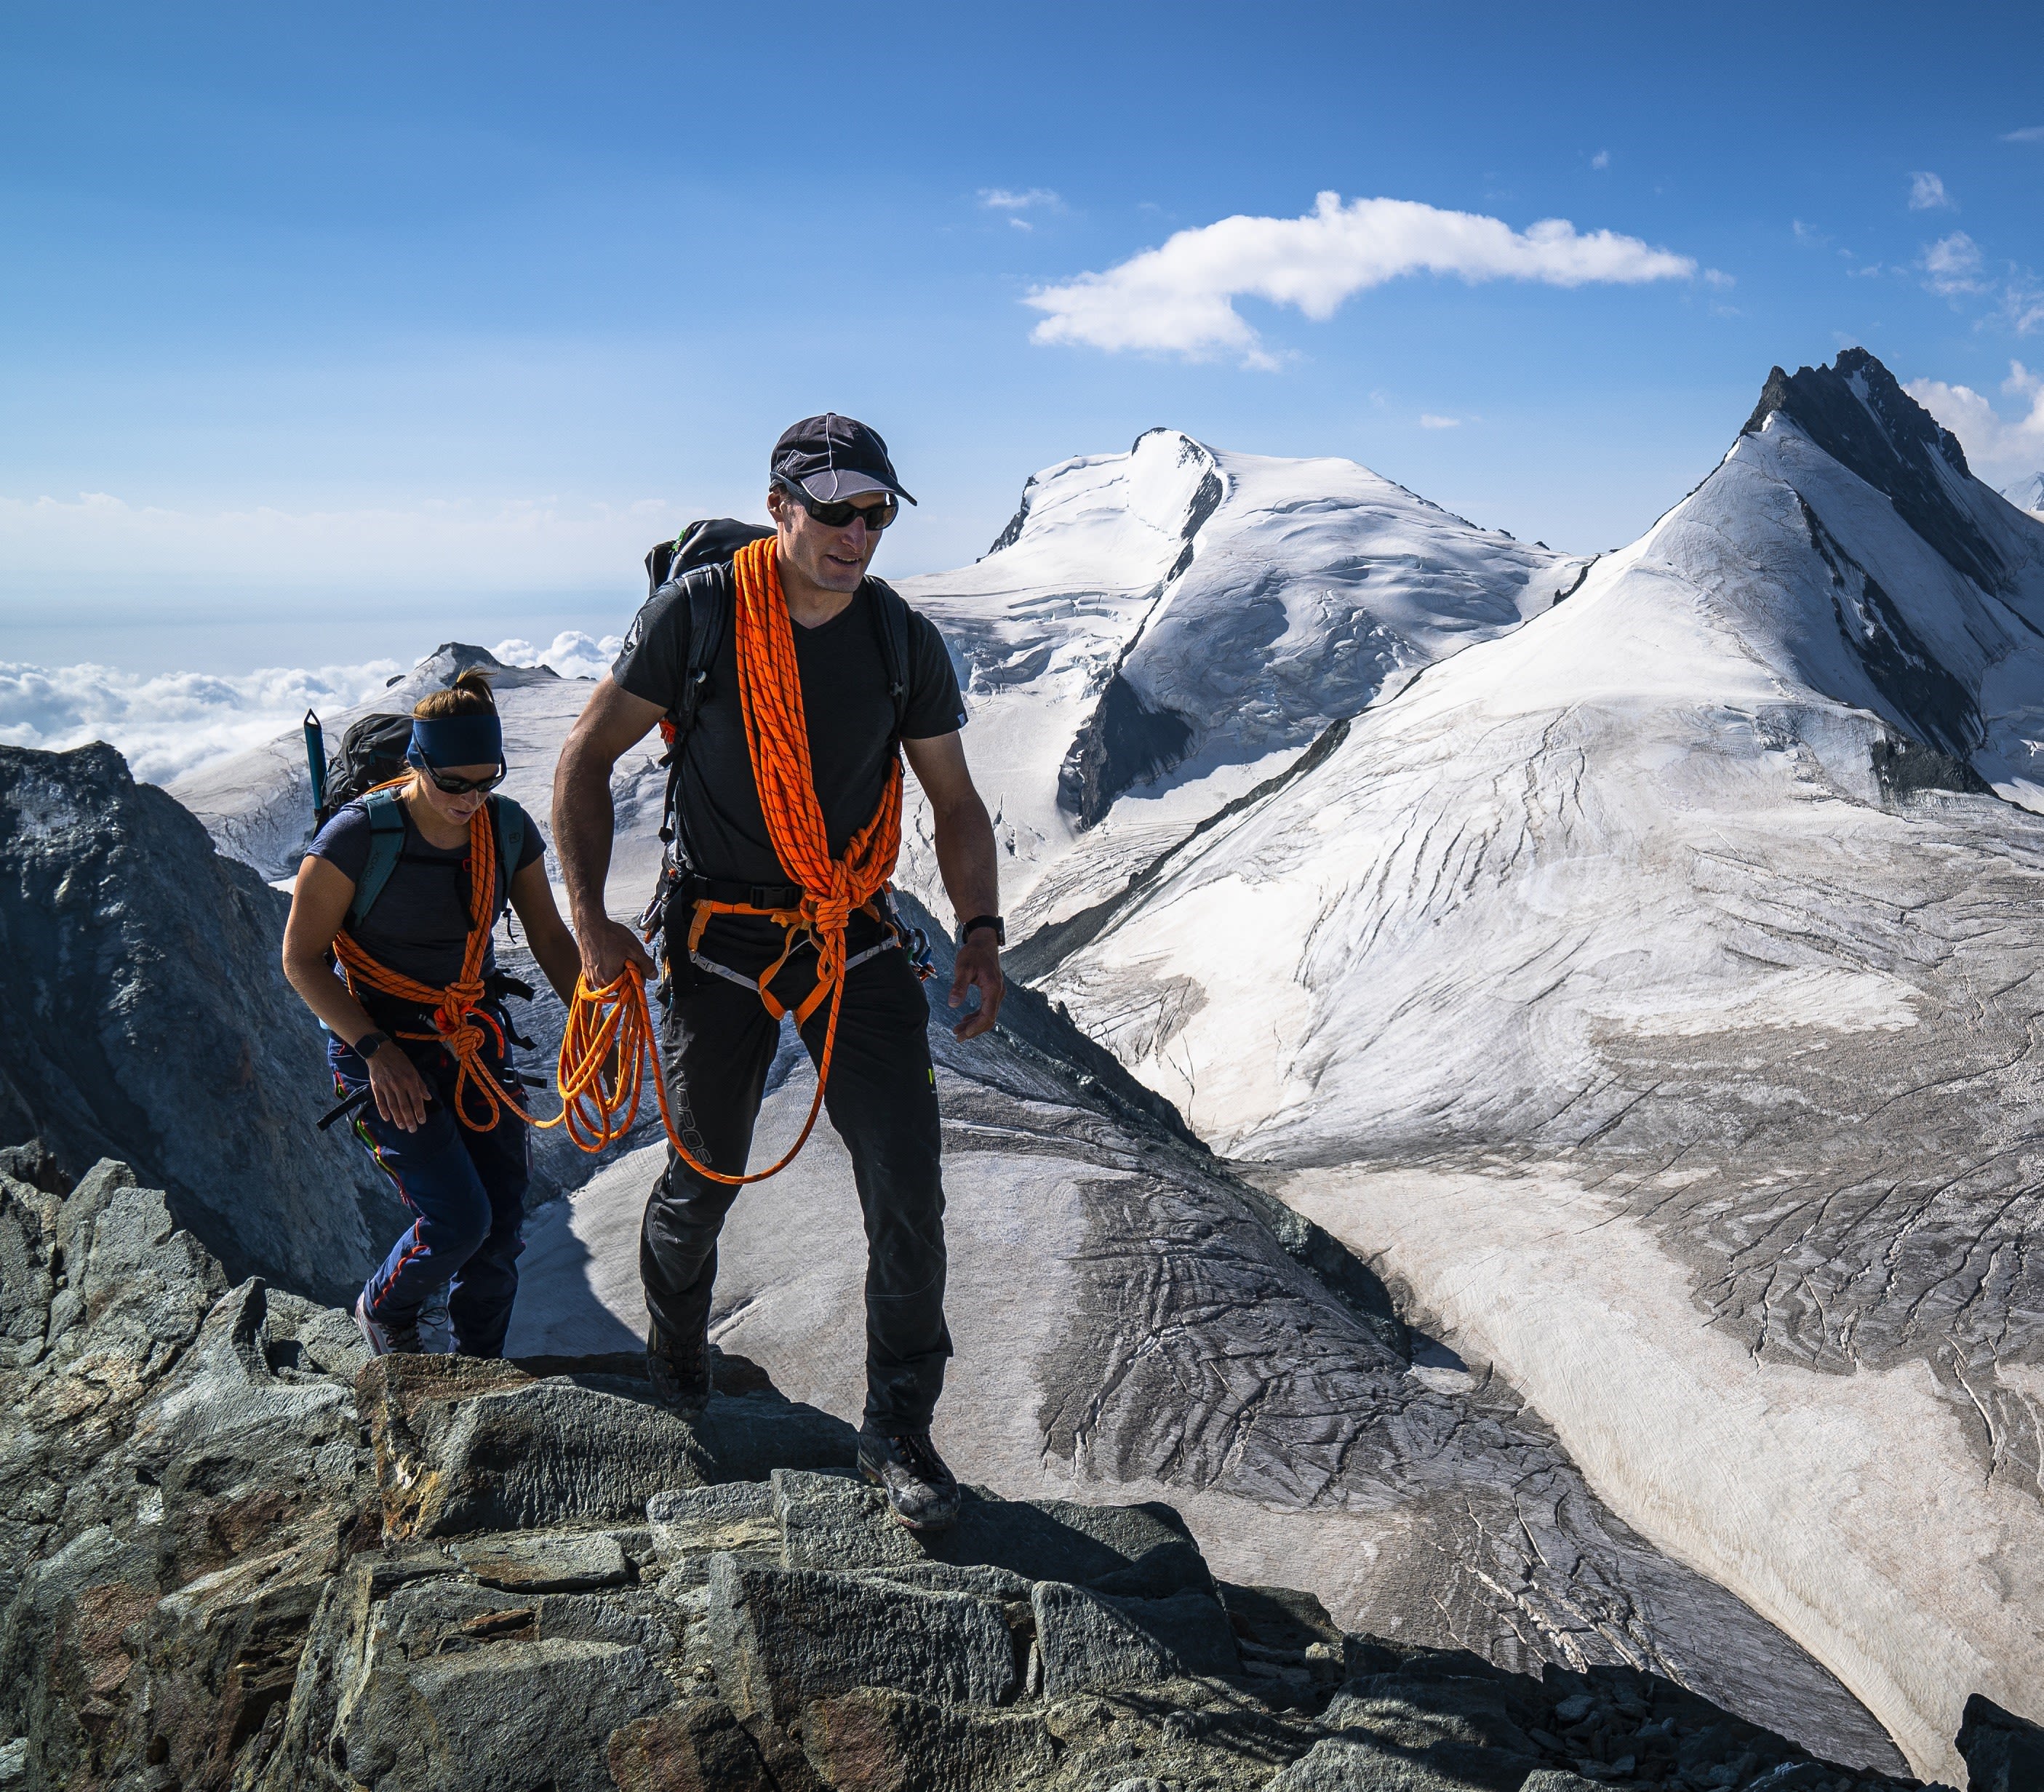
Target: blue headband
x: 457, y: 740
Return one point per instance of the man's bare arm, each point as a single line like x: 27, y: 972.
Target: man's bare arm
x: 612, y: 723
x: 970, y: 867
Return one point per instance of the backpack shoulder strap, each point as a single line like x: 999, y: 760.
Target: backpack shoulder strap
x: 890, y: 623
x: 709, y: 592
x: 509, y: 820
x: 386, y: 841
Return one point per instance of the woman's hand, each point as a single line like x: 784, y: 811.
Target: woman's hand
x: 399, y: 1090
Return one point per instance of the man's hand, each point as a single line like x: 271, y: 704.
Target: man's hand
x: 978, y: 968
x: 607, y: 947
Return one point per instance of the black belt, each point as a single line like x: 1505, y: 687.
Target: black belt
x: 694, y: 888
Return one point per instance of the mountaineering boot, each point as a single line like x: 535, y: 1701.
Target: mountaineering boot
x: 382, y: 1340
x: 923, y: 1493
x: 678, y: 1369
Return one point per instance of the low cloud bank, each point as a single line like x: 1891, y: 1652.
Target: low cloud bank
x: 168, y: 723
x: 573, y: 655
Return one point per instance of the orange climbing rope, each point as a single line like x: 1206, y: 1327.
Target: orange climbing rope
x: 609, y: 1034
x: 610, y: 1030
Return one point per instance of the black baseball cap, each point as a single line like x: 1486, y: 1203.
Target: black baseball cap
x: 832, y: 457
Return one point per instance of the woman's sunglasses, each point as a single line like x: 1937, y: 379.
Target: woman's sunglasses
x: 460, y: 786
x: 837, y: 516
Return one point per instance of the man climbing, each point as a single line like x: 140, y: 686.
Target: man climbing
x: 789, y: 679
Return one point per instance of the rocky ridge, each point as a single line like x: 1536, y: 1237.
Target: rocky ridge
x: 148, y: 1018
x: 239, y: 1555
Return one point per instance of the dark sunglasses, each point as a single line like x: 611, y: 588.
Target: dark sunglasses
x: 460, y: 786
x: 837, y: 516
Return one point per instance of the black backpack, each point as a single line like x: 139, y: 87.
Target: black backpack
x: 372, y: 752
x: 712, y: 543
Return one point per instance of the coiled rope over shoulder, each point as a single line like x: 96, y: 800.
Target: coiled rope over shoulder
x: 610, y: 1033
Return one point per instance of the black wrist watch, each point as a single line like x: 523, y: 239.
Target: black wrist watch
x: 992, y: 921
x: 369, y: 1044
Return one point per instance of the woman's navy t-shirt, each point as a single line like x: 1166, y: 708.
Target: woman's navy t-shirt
x: 419, y: 926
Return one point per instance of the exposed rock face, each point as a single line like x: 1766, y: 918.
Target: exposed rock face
x: 224, y: 1574
x: 144, y: 1016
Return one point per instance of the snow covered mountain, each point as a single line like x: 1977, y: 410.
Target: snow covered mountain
x: 2027, y: 494
x: 1651, y: 991
x: 1157, y: 631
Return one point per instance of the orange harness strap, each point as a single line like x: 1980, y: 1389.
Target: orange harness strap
x: 610, y: 1030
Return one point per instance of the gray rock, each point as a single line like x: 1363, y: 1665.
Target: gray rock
x: 697, y: 1745
x: 1341, y: 1765
x: 556, y: 1562
x: 1402, y: 1711
x: 1089, y: 1640
x: 457, y: 1721
x: 464, y: 1445
x: 783, y: 1637
x: 692, y: 1525
x: 876, y: 1737
x: 149, y: 1021
x: 2002, y: 1752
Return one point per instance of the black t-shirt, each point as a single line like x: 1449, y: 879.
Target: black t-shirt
x: 851, y: 719
x: 419, y: 926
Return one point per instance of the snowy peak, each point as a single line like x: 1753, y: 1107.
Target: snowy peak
x: 1857, y: 413
x: 2027, y: 494
x: 1134, y: 516
x: 1154, y: 631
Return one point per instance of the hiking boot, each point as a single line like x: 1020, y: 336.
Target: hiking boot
x: 923, y: 1493
x: 382, y: 1340
x: 678, y: 1369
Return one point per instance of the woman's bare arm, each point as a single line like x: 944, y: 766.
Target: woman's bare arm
x: 319, y: 905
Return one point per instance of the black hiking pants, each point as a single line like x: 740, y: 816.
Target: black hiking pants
x: 719, y: 1042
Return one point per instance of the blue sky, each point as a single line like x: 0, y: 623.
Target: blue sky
x: 327, y: 334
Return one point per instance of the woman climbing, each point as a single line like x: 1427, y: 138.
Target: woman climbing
x: 388, y: 942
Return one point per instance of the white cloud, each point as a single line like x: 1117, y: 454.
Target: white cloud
x: 1601, y: 160
x: 1429, y: 421
x: 1953, y: 265
x: 573, y: 653
x: 2030, y: 133
x: 1007, y: 199
x: 168, y: 723
x: 1178, y: 298
x: 2000, y: 449
x: 1928, y: 193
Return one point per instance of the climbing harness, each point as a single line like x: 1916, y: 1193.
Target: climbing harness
x: 461, y: 1024
x: 615, y: 1020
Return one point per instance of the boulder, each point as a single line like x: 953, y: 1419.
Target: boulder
x: 782, y: 1637
x: 465, y: 1445
x: 1089, y: 1640
x: 2002, y: 1752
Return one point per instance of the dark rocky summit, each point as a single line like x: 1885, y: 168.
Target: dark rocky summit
x: 238, y: 1556
x: 144, y: 1015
